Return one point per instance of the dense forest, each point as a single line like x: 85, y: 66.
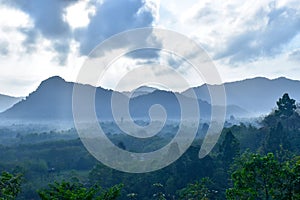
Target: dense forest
x: 249, y: 162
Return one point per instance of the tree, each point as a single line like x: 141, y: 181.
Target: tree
x: 285, y: 113
x: 286, y: 106
x: 10, y: 185
x: 276, y: 139
x: 265, y: 178
x: 281, y: 125
x: 76, y: 191
x: 255, y: 178
x: 197, y: 191
x: 159, y: 195
x: 229, y: 149
x: 295, y: 180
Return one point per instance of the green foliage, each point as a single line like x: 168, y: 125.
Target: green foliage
x: 281, y: 125
x: 263, y: 177
x: 46, y: 157
x: 229, y: 148
x: 295, y: 180
x: 111, y: 193
x: 188, y: 168
x: 76, y: 191
x: 197, y: 191
x: 286, y: 106
x: 10, y: 185
x: 285, y: 113
x: 248, y: 136
x: 159, y: 195
x: 276, y: 139
x: 132, y: 195
x: 66, y: 190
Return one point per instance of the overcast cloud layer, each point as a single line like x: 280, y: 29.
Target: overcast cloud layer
x: 39, y: 39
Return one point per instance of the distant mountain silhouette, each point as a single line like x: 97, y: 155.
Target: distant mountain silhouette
x: 8, y: 101
x: 257, y: 96
x: 143, y: 90
x: 53, y: 101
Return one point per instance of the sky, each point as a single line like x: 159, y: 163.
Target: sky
x: 244, y: 39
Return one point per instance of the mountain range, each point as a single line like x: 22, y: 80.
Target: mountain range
x: 257, y: 95
x: 248, y: 98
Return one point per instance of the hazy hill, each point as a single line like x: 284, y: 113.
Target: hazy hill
x: 143, y: 90
x: 7, y: 101
x: 53, y: 101
x: 257, y: 95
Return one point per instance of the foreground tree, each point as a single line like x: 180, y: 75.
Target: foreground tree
x: 198, y: 190
x: 265, y: 178
x: 76, y: 191
x: 10, y: 185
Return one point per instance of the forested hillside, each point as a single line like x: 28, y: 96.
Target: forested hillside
x: 249, y: 162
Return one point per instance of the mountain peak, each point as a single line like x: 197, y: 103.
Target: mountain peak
x: 54, y: 79
x: 145, y: 88
x: 53, y: 82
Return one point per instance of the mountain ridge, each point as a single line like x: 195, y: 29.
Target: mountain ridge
x: 246, y: 93
x: 53, y: 99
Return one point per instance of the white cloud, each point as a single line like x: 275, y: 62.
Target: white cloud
x: 295, y: 55
x: 245, y: 38
x: 112, y: 17
x: 78, y: 15
x: 37, y: 36
x: 279, y: 66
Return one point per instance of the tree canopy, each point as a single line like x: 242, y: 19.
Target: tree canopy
x: 286, y: 106
x: 264, y: 177
x: 76, y: 191
x: 10, y: 185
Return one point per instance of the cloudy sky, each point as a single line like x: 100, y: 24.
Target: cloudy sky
x: 245, y: 39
